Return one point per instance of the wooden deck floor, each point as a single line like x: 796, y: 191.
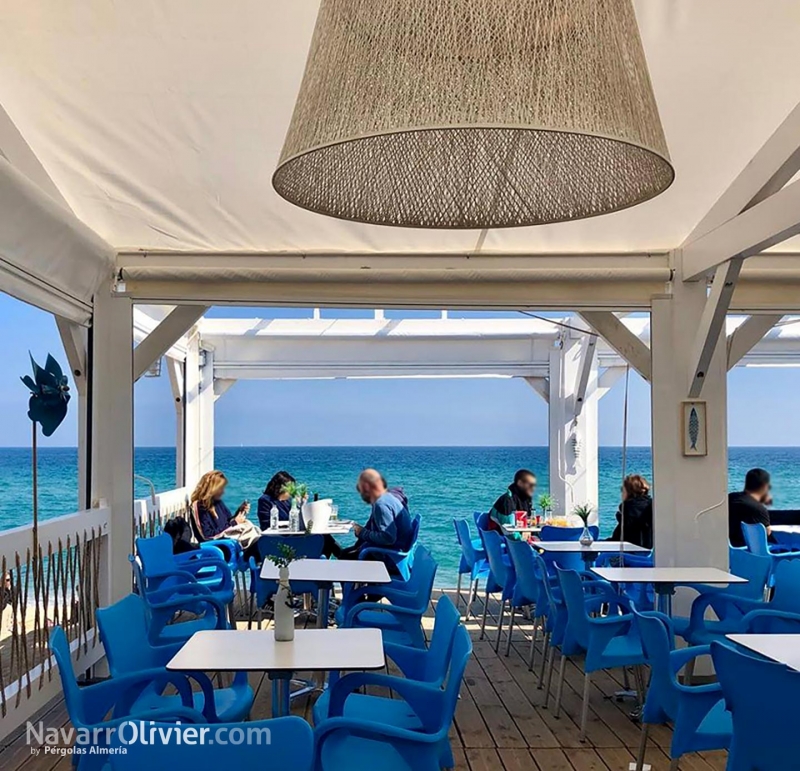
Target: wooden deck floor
x: 501, y: 721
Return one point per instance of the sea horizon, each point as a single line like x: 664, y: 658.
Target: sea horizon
x: 442, y: 482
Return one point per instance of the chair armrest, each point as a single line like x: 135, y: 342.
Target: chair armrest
x: 369, y: 729
x: 395, y: 610
x: 424, y: 699
x: 164, y: 574
x: 682, y: 656
x: 754, y: 616
x: 717, y: 601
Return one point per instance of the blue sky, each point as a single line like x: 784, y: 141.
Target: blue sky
x: 761, y: 404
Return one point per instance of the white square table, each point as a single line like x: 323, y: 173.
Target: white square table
x: 521, y: 529
x: 589, y: 553
x: 335, y: 527
x: 325, y: 573
x: 666, y: 579
x: 783, y: 648
x: 251, y: 650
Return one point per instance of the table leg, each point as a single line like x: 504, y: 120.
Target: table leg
x: 665, y: 592
x: 323, y: 604
x: 280, y: 693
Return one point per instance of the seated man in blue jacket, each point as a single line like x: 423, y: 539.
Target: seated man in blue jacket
x: 389, y: 523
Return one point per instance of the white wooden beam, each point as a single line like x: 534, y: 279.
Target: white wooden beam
x: 222, y: 385
x: 175, y: 370
x: 608, y: 378
x: 74, y: 338
x: 771, y: 168
x: 179, y: 321
x: 621, y: 339
x: 588, y: 351
x: 764, y: 225
x: 747, y: 335
x: 541, y: 385
x: 712, y: 324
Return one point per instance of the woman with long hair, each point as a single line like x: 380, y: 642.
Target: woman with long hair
x: 275, y: 495
x: 636, y: 512
x: 212, y: 515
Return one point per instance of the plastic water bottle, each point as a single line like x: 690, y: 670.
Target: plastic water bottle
x: 294, y: 518
x: 273, y: 518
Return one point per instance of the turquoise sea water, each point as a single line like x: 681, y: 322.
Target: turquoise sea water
x: 441, y: 482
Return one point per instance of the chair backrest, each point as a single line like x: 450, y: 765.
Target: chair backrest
x: 662, y: 699
x: 305, y: 546
x: 528, y: 588
x: 285, y: 742
x: 762, y: 696
x: 76, y: 708
x: 786, y: 595
x: 414, y: 535
x: 755, y: 568
x: 755, y: 538
x: 462, y: 650
x: 445, y: 623
x: 155, y: 554
x: 123, y: 632
x: 574, y: 599
x: 423, y: 574
x: 481, y: 519
x: 552, y: 533
x: 493, y: 544
x: 470, y: 556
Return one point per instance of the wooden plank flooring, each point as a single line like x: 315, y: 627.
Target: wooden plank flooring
x: 501, y: 721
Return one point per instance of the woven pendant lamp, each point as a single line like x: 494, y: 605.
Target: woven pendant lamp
x: 474, y: 114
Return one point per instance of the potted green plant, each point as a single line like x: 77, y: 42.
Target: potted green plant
x: 546, y: 504
x: 284, y: 612
x: 298, y: 492
x: 583, y: 512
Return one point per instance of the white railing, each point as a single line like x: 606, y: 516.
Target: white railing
x: 60, y: 583
x: 150, y: 514
x: 56, y: 583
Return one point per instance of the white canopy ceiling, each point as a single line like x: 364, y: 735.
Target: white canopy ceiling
x: 161, y: 121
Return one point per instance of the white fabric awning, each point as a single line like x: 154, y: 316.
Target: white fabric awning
x: 161, y: 121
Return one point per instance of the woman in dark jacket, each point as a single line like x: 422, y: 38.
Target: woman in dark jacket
x: 637, y: 510
x: 274, y: 495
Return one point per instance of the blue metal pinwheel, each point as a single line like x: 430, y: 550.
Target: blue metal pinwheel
x: 49, y: 395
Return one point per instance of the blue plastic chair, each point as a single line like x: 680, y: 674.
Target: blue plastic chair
x: 412, y: 736
x: 473, y: 562
x: 757, y: 542
x: 732, y: 607
x: 501, y: 579
x: 529, y: 591
x: 762, y: 696
x: 165, y: 606
x: 123, y: 632
x: 565, y: 560
x: 481, y: 520
x: 159, y: 568
x: 608, y: 642
x: 729, y: 604
x: 639, y: 593
x: 109, y: 703
x: 399, y: 620
x: 423, y: 665
x: 397, y: 561
x: 700, y: 720
x: 284, y: 742
x: 261, y: 590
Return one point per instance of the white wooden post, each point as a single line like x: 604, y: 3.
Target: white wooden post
x: 175, y: 370
x: 199, y: 411
x: 685, y: 486
x: 112, y: 432
x: 573, y: 428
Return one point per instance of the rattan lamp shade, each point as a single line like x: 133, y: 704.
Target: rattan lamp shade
x: 474, y: 114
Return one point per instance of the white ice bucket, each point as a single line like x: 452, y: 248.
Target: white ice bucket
x: 317, y: 513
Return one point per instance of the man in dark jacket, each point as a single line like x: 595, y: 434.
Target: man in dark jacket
x: 518, y: 497
x: 749, y: 506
